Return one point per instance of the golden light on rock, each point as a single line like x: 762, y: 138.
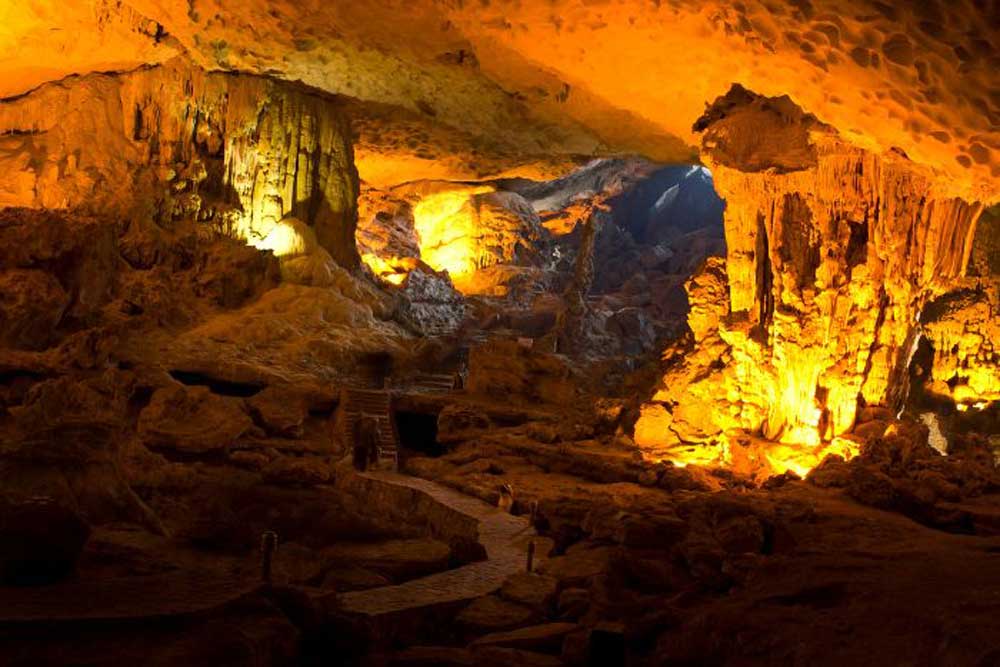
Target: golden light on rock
x: 447, y: 227
x: 288, y: 238
x: 392, y: 271
x: 833, y: 255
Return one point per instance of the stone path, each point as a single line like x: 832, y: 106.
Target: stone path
x: 504, y: 536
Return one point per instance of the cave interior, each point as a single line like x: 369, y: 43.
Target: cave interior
x: 576, y: 333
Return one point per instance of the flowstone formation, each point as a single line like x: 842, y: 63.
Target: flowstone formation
x: 833, y: 254
x: 238, y: 153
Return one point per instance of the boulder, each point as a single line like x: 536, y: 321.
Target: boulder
x: 306, y: 471
x: 458, y: 422
x: 280, y: 411
x: 742, y: 534
x: 832, y: 472
x: 493, y: 614
x: 874, y: 428
x: 431, y: 303
x: 192, y: 420
x: 248, y: 460
x: 870, y: 487
x: 545, y: 638
x: 40, y: 541
x: 546, y: 432
x: 537, y: 591
x: 507, y: 371
x: 579, y: 566
x: 32, y: 304
x: 66, y: 445
x: 230, y: 273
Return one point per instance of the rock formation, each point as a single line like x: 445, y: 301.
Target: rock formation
x: 833, y: 253
x: 544, y: 79
x: 236, y: 152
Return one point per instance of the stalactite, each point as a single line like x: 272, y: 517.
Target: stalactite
x: 270, y: 148
x: 845, y: 308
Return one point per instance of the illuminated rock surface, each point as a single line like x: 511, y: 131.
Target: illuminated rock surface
x: 232, y: 231
x: 553, y: 78
x: 239, y: 153
x: 832, y: 255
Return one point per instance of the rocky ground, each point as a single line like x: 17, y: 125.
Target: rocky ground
x: 169, y: 396
x: 857, y: 564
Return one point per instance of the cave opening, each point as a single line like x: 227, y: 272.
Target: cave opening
x: 217, y: 385
x: 418, y: 433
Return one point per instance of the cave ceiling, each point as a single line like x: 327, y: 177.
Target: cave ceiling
x: 515, y: 87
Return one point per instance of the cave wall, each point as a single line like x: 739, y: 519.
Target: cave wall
x: 833, y: 253
x: 239, y: 152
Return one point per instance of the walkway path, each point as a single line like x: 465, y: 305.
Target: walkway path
x: 504, y: 536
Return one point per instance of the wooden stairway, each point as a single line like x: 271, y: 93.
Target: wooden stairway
x: 356, y: 403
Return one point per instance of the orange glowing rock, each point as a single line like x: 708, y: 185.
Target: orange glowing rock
x: 832, y: 254
x: 963, y: 328
x: 466, y: 231
x: 447, y: 225
x: 568, y: 77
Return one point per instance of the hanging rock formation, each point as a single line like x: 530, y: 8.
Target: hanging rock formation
x: 833, y: 253
x: 238, y: 152
x: 963, y: 328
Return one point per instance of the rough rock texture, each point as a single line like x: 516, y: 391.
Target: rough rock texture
x: 832, y: 254
x: 507, y: 370
x: 963, y: 328
x: 192, y: 420
x: 65, y: 443
x: 238, y: 152
x: 572, y: 76
x: 480, y: 236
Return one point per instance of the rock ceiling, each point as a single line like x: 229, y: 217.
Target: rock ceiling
x: 485, y: 88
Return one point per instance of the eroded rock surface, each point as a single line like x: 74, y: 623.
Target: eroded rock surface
x: 554, y: 78
x: 238, y: 152
x: 832, y: 254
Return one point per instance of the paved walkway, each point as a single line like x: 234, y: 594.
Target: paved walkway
x: 504, y: 536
